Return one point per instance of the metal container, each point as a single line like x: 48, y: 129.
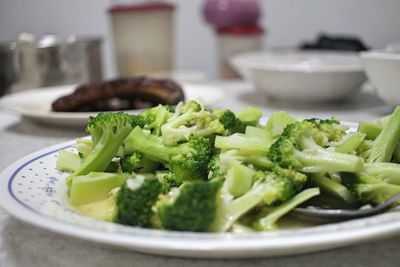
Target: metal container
x: 49, y: 61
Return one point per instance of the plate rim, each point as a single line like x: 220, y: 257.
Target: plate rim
x: 81, y: 117
x: 198, y: 244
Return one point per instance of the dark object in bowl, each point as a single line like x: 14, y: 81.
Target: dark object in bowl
x: 120, y: 94
x: 341, y: 43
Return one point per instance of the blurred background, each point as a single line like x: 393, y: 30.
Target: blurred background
x: 286, y: 23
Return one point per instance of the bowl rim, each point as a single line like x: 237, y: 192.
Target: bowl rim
x: 244, y: 60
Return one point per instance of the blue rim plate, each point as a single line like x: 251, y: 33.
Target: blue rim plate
x: 34, y: 192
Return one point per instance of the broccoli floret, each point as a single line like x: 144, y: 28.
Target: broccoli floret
x: 135, y: 200
x: 190, y: 120
x: 191, y: 207
x: 137, y: 162
x: 188, y: 161
x: 331, y: 128
x: 108, y: 131
x: 301, y: 146
x: 268, y: 188
x: 155, y: 117
x: 230, y: 122
x: 167, y: 180
x: 214, y: 167
x: 385, y: 143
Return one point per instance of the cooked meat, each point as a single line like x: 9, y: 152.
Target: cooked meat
x: 121, y: 94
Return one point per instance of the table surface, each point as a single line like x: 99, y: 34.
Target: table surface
x: 25, y: 245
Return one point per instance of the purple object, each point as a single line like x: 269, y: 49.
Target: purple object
x: 231, y: 13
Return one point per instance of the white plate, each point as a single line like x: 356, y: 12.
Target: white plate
x: 35, y: 104
x: 33, y: 191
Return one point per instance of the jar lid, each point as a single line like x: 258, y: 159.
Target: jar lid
x: 145, y: 6
x: 241, y: 30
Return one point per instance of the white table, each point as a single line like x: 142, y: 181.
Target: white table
x: 25, y: 245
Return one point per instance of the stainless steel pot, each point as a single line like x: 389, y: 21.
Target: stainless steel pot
x: 49, y: 61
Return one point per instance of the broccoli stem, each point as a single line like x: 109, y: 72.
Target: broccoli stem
x: 384, y: 171
x: 351, y: 142
x: 250, y: 116
x: 241, y: 141
x: 228, y: 212
x: 371, y: 130
x: 68, y: 161
x: 320, y: 160
x: 95, y: 186
x: 274, y: 214
x: 385, y: 144
x: 332, y: 188
x: 278, y: 121
x: 260, y: 162
x: 376, y: 193
x: 239, y: 179
x: 396, y: 153
x: 138, y: 141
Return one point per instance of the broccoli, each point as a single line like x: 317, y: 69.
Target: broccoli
x: 167, y: 180
x: 331, y: 128
x: 230, y: 122
x: 268, y: 188
x: 190, y: 120
x: 302, y: 147
x: 373, y: 190
x: 350, y: 143
x: 278, y: 121
x: 383, y: 171
x: 250, y: 116
x: 191, y: 207
x: 137, y: 162
x: 253, y: 144
x: 332, y: 188
x: 369, y: 189
x: 269, y: 216
x: 385, y: 143
x: 68, y: 161
x: 84, y: 147
x: 95, y: 186
x: 108, y: 131
x: 135, y: 200
x: 188, y: 161
x: 155, y: 117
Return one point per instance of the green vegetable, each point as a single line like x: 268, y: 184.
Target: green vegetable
x: 188, y: 161
x: 385, y: 143
x: 95, y: 186
x: 274, y: 214
x: 135, y: 201
x: 301, y: 146
x: 68, y: 161
x: 108, y: 131
x: 191, y: 207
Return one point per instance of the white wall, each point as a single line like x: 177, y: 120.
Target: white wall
x: 287, y: 21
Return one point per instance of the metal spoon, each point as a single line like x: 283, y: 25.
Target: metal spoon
x: 345, y: 214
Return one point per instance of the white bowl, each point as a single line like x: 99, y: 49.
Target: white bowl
x: 383, y: 71
x: 303, y: 76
